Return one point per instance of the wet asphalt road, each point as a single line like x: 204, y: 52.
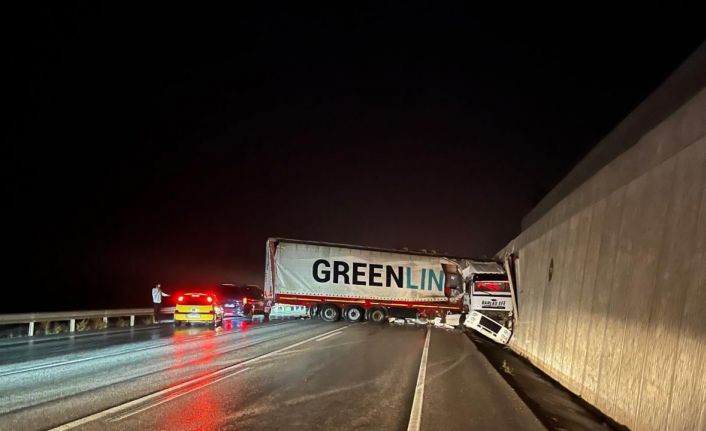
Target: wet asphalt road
x: 281, y: 375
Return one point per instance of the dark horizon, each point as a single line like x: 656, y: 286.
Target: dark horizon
x: 166, y: 146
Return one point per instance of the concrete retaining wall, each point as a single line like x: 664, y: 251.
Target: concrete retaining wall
x: 622, y: 320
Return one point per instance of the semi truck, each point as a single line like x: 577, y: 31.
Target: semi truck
x: 359, y: 283
x: 489, y: 300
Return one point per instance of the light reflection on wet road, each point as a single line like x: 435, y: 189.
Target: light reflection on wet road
x: 285, y: 375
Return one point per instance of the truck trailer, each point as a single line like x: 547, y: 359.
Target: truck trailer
x: 365, y: 283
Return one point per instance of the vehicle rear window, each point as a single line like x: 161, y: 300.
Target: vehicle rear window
x: 198, y: 300
x: 240, y: 292
x: 495, y: 277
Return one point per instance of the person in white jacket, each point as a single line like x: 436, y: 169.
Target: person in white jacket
x: 157, y: 295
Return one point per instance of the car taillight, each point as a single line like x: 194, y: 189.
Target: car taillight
x: 180, y: 299
x: 209, y: 299
x: 245, y: 301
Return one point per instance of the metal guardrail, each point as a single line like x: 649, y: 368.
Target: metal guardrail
x: 71, y: 316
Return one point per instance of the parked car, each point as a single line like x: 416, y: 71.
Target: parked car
x: 242, y: 301
x: 197, y: 307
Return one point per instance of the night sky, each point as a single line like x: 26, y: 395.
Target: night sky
x: 166, y: 145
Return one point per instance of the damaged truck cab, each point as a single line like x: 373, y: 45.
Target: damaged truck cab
x: 488, y: 297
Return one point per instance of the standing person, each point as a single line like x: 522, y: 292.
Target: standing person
x: 157, y: 295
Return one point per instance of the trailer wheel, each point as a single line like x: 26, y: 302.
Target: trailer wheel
x: 330, y: 313
x: 353, y: 314
x: 377, y: 315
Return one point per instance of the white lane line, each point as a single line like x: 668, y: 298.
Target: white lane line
x: 328, y: 336
x: 75, y: 361
x: 119, y: 353
x: 173, y: 397
x: 415, y: 417
x: 53, y: 364
x: 129, y: 404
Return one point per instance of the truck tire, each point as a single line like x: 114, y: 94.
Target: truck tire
x: 330, y: 313
x: 353, y: 314
x: 377, y: 315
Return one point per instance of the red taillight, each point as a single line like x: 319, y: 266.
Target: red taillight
x: 245, y: 301
x: 180, y: 299
x: 209, y: 299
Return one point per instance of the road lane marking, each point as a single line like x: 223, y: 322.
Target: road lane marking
x: 194, y: 339
x: 138, y: 401
x: 415, y: 417
x: 74, y: 361
x: 328, y: 336
x: 173, y: 397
